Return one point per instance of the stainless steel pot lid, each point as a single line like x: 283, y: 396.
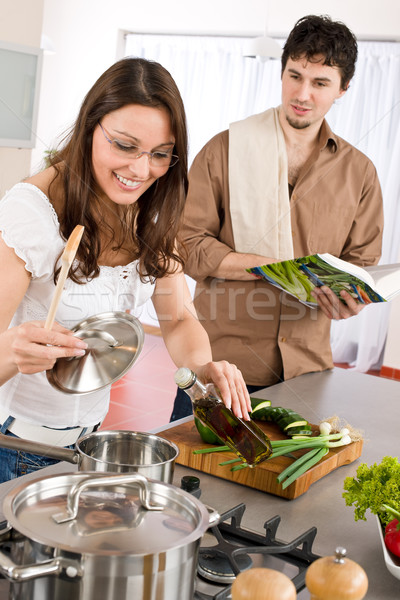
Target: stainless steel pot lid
x: 115, y: 340
x: 105, y: 514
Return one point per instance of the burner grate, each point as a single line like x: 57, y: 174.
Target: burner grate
x: 231, y: 555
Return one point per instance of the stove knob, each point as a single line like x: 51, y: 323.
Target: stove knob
x: 191, y: 484
x: 336, y: 578
x: 263, y: 584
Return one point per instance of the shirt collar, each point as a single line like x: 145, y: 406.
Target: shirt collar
x: 326, y: 138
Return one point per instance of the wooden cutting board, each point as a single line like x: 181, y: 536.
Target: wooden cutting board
x: 263, y: 476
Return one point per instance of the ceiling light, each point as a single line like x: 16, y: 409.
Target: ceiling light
x: 263, y: 48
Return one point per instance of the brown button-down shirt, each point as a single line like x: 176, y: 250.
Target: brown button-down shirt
x: 336, y: 207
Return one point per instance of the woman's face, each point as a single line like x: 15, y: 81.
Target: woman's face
x: 122, y: 177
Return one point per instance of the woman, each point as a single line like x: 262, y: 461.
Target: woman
x: 122, y: 174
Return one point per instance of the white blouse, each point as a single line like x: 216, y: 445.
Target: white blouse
x: 29, y: 225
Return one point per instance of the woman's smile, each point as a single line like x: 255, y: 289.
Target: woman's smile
x: 131, y: 184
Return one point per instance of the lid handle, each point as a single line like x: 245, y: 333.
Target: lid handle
x: 91, y: 481
x: 98, y: 334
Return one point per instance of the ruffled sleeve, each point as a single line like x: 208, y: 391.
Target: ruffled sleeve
x: 29, y: 225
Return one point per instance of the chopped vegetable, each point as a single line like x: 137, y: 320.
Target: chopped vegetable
x: 376, y: 488
x: 259, y: 403
x: 288, y: 421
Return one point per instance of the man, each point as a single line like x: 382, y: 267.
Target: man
x: 276, y: 186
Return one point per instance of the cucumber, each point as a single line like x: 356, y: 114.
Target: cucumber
x: 288, y: 421
x: 258, y: 404
x: 302, y: 430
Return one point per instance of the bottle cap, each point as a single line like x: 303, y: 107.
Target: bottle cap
x: 184, y: 377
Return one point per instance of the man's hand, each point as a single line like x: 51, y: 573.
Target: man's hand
x: 334, y: 308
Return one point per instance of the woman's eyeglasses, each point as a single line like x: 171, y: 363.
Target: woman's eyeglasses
x: 156, y: 159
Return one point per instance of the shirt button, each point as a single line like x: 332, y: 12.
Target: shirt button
x: 283, y: 339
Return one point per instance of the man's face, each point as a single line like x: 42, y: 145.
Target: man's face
x: 308, y: 91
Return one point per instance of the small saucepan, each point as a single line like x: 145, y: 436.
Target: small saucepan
x: 112, y: 451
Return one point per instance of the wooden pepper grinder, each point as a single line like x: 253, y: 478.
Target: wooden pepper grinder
x: 336, y: 578
x: 263, y: 584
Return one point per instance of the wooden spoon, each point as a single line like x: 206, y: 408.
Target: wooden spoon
x: 67, y: 259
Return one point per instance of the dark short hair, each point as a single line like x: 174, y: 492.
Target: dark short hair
x: 313, y: 35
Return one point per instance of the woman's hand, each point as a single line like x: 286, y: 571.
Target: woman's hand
x: 35, y: 349
x: 229, y: 381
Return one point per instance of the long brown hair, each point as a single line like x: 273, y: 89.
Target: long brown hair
x: 150, y: 225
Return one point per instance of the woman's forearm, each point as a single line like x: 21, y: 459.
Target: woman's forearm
x: 187, y: 343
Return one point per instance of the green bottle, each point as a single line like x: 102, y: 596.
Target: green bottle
x: 244, y: 438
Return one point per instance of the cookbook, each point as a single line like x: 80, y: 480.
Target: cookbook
x: 299, y: 276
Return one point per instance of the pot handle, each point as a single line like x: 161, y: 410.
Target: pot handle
x: 213, y: 516
x: 99, y: 335
x: 93, y: 480
x: 56, y: 452
x: 18, y: 573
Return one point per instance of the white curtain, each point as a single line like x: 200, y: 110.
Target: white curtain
x: 219, y: 85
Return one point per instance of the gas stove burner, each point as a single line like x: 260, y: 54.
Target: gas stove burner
x: 237, y: 549
x: 215, y: 566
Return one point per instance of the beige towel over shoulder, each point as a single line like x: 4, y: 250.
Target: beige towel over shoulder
x: 258, y: 186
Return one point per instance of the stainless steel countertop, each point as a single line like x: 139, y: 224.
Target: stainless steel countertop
x: 367, y: 402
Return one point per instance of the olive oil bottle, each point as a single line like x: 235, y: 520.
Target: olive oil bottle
x: 244, y: 438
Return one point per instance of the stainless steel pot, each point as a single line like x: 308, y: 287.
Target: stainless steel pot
x: 111, y: 451
x: 88, y: 536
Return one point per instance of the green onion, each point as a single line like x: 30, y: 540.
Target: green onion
x: 317, y: 446
x: 296, y: 464
x: 229, y: 462
x: 305, y: 466
x: 241, y: 466
x: 207, y: 450
x: 284, y: 450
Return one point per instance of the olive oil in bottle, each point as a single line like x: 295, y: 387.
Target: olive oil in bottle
x: 244, y: 438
